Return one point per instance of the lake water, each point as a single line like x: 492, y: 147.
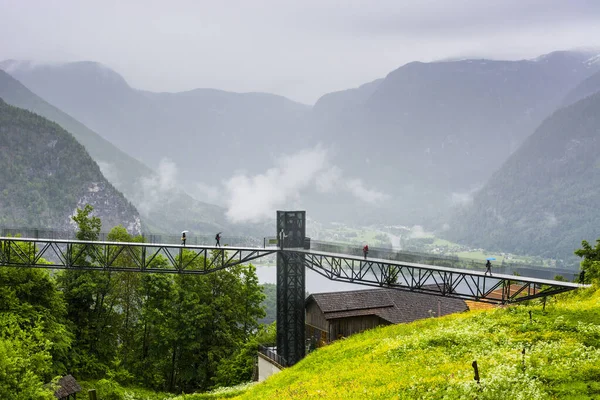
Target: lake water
x: 315, y: 283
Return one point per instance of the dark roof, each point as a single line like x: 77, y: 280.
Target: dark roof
x: 67, y: 385
x: 394, y: 306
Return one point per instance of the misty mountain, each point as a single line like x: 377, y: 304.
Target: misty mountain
x: 164, y: 208
x: 544, y: 198
x: 586, y: 88
x: 125, y: 171
x: 47, y: 175
x: 431, y: 133
x: 418, y: 141
x: 208, y: 133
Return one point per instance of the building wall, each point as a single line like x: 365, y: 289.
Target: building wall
x: 266, y: 368
x: 344, y: 327
x: 315, y: 317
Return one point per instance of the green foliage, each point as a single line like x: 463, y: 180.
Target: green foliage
x: 34, y: 340
x: 109, y: 389
x: 179, y: 333
x: 25, y: 361
x: 431, y: 359
x: 219, y: 393
x: 88, y: 226
x: 590, y: 264
x: 269, y: 303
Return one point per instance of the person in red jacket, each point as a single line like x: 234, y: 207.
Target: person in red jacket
x: 366, y: 250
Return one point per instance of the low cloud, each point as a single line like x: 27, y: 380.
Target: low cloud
x: 204, y: 192
x: 417, y: 232
x: 254, y: 198
x: 156, y: 187
x: 358, y: 189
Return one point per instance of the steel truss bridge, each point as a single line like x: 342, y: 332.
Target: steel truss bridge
x: 292, y: 261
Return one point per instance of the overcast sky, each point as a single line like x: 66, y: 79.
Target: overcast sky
x: 300, y: 49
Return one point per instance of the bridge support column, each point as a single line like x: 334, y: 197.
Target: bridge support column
x: 291, y: 289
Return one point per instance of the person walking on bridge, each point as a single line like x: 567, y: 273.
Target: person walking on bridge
x: 183, y: 238
x: 218, y: 239
x: 366, y: 250
x: 488, y: 268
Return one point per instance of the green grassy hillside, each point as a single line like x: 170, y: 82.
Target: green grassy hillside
x: 431, y: 359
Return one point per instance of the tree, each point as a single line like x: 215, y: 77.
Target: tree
x: 590, y: 265
x: 86, y: 293
x: 34, y: 338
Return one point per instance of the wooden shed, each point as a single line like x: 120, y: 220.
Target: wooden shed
x: 67, y: 388
x: 331, y: 316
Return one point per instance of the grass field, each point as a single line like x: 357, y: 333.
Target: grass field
x: 431, y: 359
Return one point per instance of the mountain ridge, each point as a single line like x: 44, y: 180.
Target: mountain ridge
x: 542, y: 201
x: 137, y: 181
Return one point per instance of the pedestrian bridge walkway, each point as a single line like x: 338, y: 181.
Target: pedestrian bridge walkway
x: 466, y: 284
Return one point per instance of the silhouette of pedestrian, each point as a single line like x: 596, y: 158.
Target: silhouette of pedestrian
x: 282, y: 236
x: 183, y: 238
x: 366, y: 250
x: 488, y: 267
x: 218, y: 239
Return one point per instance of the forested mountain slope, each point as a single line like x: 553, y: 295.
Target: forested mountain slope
x: 544, y: 199
x: 163, y: 209
x: 586, y: 88
x: 126, y: 170
x: 46, y: 175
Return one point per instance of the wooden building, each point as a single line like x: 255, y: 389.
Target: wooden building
x: 331, y: 316
x: 67, y: 388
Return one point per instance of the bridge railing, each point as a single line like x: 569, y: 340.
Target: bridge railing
x: 498, y: 266
x: 200, y: 240
x: 271, y: 353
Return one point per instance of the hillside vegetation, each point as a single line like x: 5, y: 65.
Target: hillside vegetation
x: 431, y: 359
x: 46, y: 175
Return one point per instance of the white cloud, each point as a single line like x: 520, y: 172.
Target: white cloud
x: 254, y: 198
x: 156, y: 187
x: 357, y: 188
x: 204, y: 192
x: 417, y: 232
x: 328, y: 180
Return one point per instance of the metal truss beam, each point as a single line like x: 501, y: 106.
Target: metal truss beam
x: 108, y: 256
x: 440, y: 281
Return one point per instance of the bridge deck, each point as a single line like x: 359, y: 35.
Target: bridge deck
x: 428, y: 267
x: 136, y: 244
x: 202, y: 259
